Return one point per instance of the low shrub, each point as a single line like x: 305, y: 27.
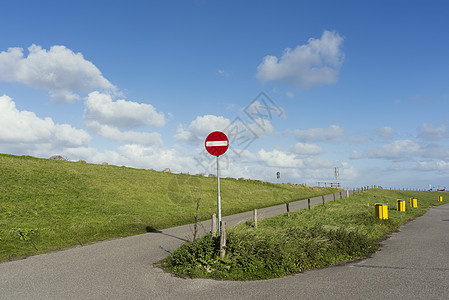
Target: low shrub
x: 262, y: 254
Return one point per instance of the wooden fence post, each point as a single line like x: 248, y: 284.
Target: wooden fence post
x: 223, y: 239
x: 288, y: 209
x: 255, y: 218
x: 308, y: 203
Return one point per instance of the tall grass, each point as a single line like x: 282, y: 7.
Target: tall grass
x: 49, y: 204
x: 325, y: 235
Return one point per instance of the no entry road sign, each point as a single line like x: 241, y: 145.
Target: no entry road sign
x: 217, y: 143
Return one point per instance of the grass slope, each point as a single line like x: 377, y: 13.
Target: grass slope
x: 325, y: 235
x: 47, y: 205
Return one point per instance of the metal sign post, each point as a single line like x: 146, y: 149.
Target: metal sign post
x: 218, y: 197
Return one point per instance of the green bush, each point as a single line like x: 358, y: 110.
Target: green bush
x: 253, y: 254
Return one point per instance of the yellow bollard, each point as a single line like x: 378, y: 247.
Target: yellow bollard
x: 401, y: 205
x: 440, y: 198
x: 381, y: 211
x: 413, y: 202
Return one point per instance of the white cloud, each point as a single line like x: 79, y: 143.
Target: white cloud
x: 404, y: 150
x: 313, y: 64
x: 261, y: 127
x: 307, y: 149
x: 24, y: 132
x: 197, y: 131
x: 106, y: 117
x: 385, y: 132
x: 435, y: 151
x: 332, y: 134
x: 59, y: 70
x: 397, y: 150
x: 439, y: 166
x: 284, y: 159
x: 348, y: 172
x: 277, y: 158
x: 430, y: 133
x: 121, y: 113
x: 133, y: 137
x: 157, y: 159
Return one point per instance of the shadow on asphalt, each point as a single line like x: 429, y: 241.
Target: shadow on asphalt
x: 166, y: 234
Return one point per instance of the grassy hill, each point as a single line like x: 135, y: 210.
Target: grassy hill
x: 47, y: 205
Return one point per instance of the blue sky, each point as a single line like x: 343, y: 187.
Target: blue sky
x: 301, y: 87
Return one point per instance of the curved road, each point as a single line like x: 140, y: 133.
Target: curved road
x: 413, y: 264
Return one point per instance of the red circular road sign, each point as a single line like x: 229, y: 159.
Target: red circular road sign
x: 217, y: 143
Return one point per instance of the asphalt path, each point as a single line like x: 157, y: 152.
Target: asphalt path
x: 413, y: 264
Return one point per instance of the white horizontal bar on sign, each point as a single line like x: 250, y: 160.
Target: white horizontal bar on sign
x: 216, y: 143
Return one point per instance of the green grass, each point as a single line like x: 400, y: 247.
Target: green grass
x: 325, y: 235
x: 47, y: 205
